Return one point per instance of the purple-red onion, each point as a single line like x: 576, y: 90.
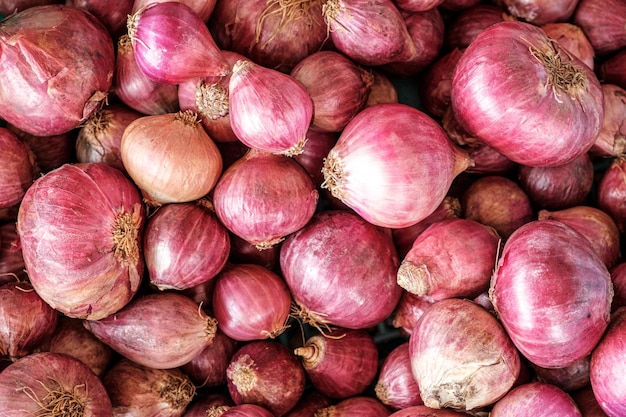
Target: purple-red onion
x: 242, y: 252
x: 396, y: 386
x: 587, y: 403
x: 611, y: 141
x: 465, y: 26
x: 417, y: 5
x: 573, y: 39
x: 618, y: 277
x: 11, y: 258
x: 536, y: 399
x: 436, y: 82
x: 613, y: 69
x: 208, y: 368
x: 18, y: 168
x: 112, y: 14
x: 604, y: 23
x: 408, y: 311
x: 310, y: 402
x: 611, y: 192
x: 50, y: 151
x: 247, y: 410
x: 568, y: 378
x: 318, y: 144
x: 211, y: 405
x: 423, y: 411
x: 203, y: 8
x: 382, y: 90
x: 541, y: 12
x: 357, y: 406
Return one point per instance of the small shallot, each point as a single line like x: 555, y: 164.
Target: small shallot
x: 434, y: 89
x: 604, y: 23
x: 408, y: 311
x: 536, y: 399
x: 50, y: 151
x: 464, y: 28
x: 611, y: 192
x: 396, y: 386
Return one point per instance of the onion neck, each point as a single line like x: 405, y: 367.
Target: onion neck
x: 310, y: 355
x: 217, y: 410
x: 187, y: 117
x: 177, y: 392
x: 288, y: 10
x: 333, y: 174
x: 414, y: 278
x: 212, y: 100
x: 243, y: 375
x: 125, y: 236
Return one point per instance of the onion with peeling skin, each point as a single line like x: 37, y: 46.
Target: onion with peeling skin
x: 408, y: 311
x: 611, y: 192
x: 396, y: 387
x: 541, y: 12
x: 477, y: 363
x: 208, y: 368
x: 340, y: 364
x: 18, y: 168
x: 604, y: 23
x: 80, y: 228
x: 552, y: 293
x: 536, y: 399
x: 138, y: 332
x: 611, y: 141
x: 573, y: 39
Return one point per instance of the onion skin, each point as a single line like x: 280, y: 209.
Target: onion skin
x: 536, y: 399
x: 8, y: 7
x: 50, y: 151
x: 434, y: 90
x: 112, y: 14
x: 57, y: 67
x: 611, y: 192
x: 341, y: 271
x: 216, y: 403
x: 340, y: 364
x: 267, y: 374
x: 17, y: 168
x: 318, y: 144
x: 613, y: 69
x: 203, y: 8
x: 408, y: 311
x: 80, y: 227
x: 138, y: 333
x: 360, y: 406
x: 464, y: 28
x: 541, y: 12
x: 146, y: 392
x: 382, y: 90
x: 550, y: 272
x: 185, y: 245
x: 395, y: 185
x: 573, y: 39
x: 247, y: 410
x: 439, y: 266
x: 37, y: 381
x: 569, y: 378
x: 423, y: 411
x: 274, y: 186
x: 208, y: 368
x: 11, y: 259
x: 478, y: 363
x: 396, y: 387
x: 251, y: 302
x: 611, y: 141
x: 618, y: 277
x: 417, y: 5
x: 603, y: 23
x: 573, y: 110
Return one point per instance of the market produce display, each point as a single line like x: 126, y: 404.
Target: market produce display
x: 312, y: 208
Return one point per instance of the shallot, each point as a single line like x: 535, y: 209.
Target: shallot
x: 536, y: 399
x: 396, y: 386
x: 17, y: 168
x: 604, y: 23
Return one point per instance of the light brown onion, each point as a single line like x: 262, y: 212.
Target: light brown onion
x: 573, y: 39
x: 611, y: 141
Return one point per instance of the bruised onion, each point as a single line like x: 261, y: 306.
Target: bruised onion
x: 357, y: 406
x: 604, y: 23
x: 56, y: 68
x: 170, y: 157
x: 563, y: 111
x: 161, y: 330
x: 17, y: 168
x: 172, y: 44
x: 267, y: 374
x: 340, y: 364
x: 541, y: 12
x: 611, y: 141
x: 251, y: 302
x: 80, y: 228
x: 396, y: 386
x: 611, y: 192
x: 208, y: 368
x: 185, y: 245
x: 341, y: 271
x: 47, y: 383
x: 552, y: 293
x: 143, y: 391
x: 573, y: 39
x: 393, y: 182
x: 536, y: 399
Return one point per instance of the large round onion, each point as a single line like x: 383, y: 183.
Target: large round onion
x: 553, y: 101
x: 80, y: 227
x: 393, y: 165
x: 552, y: 293
x: 56, y: 68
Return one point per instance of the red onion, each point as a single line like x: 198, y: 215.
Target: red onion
x: 112, y: 14
x: 185, y: 245
x: 396, y: 387
x: 201, y: 294
x: 242, y: 252
x: 458, y: 5
x: 476, y: 362
x: 439, y: 264
x: 604, y: 23
x: 276, y: 34
x: 417, y: 5
x: 203, y: 8
x: 618, y: 277
x: 8, y: 7
x: 382, y: 90
x: 51, y: 82
x: 172, y: 44
x: 359, y: 406
x: 573, y: 39
x: 310, y: 402
x: 552, y: 293
x: 142, y: 391
x: 338, y: 87
x: 11, y: 259
x: 465, y: 26
x: 231, y: 151
x: 274, y: 186
x: 138, y: 91
x: 100, y: 137
x: 340, y: 364
x: 369, y: 33
x: 408, y: 311
x: 25, y: 320
x: 208, y: 368
x: 138, y: 332
x: 396, y: 183
x: 72, y: 338
x: 18, y: 168
x: 267, y: 374
x: 341, y: 271
x: 193, y: 162
x: 558, y: 187
x: 50, y: 151
x: 434, y: 89
x: 80, y: 228
x: 596, y: 225
x: 536, y: 399
x: 269, y: 111
x: 210, y: 405
x: 611, y: 192
x: 423, y: 411
x: 587, y: 403
x: 560, y: 118
x: 499, y: 202
x: 607, y: 367
x: 613, y: 69
x: 251, y: 302
x: 247, y: 410
x: 541, y: 12
x: 318, y: 144
x: 52, y: 383
x: 611, y: 141
x: 569, y: 378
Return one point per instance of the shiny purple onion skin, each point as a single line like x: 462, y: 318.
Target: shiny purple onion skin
x: 552, y: 293
x: 536, y: 399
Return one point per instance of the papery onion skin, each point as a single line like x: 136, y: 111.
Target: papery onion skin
x: 340, y: 364
x: 41, y: 381
x: 477, y: 362
x: 361, y: 406
x: 423, y: 411
x: 173, y: 140
x: 536, y: 399
x: 561, y: 120
x: 160, y: 330
x: 396, y: 387
x: 57, y: 67
x: 611, y: 141
x: 11, y: 258
x: 341, y: 271
x: 80, y: 228
x: 264, y: 197
x: 550, y: 272
x: 266, y: 373
x: 17, y: 168
x: 573, y: 39
x: 172, y: 44
x: 395, y: 184
x: 143, y: 391
x: 611, y: 192
x: 540, y: 12
x: 208, y: 368
x: 251, y: 302
x: 603, y: 23
x: 185, y: 245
